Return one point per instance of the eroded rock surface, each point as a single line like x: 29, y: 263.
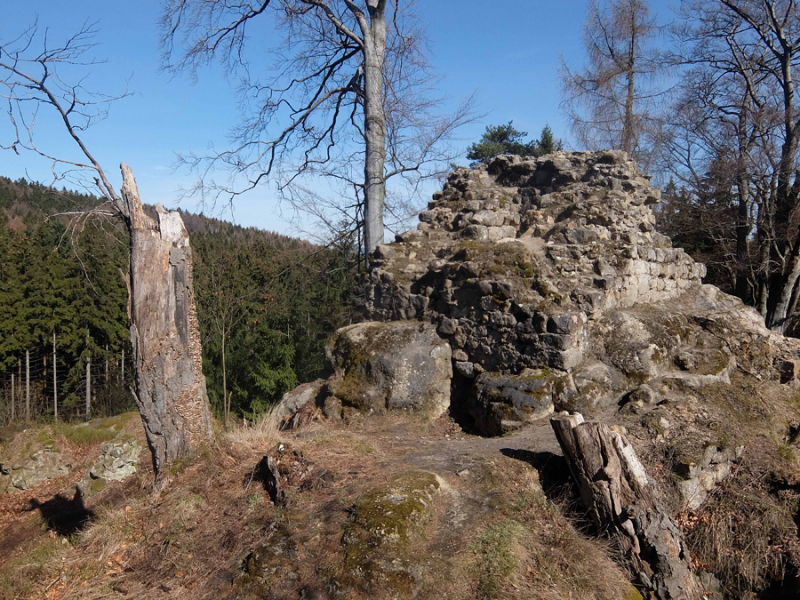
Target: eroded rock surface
x: 554, y: 293
x: 386, y: 522
x: 390, y: 366
x: 119, y: 459
x: 30, y: 471
x: 512, y: 259
x: 552, y: 265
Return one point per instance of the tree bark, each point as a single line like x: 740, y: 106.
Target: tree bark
x: 778, y: 319
x: 374, y: 126
x: 170, y: 389
x: 624, y: 502
x: 742, y: 232
x: 627, y: 126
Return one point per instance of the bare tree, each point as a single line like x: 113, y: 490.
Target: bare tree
x: 224, y: 304
x: 346, y: 103
x: 772, y: 29
x: 170, y: 388
x: 717, y: 131
x: 739, y: 108
x: 609, y: 100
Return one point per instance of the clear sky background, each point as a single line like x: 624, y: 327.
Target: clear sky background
x: 505, y: 51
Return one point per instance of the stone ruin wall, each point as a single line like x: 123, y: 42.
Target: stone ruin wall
x: 512, y: 258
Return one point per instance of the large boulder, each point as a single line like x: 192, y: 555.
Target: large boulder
x: 32, y: 470
x: 389, y: 366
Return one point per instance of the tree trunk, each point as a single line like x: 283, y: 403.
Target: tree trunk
x: 27, y: 385
x: 778, y: 318
x: 742, y: 233
x: 167, y: 357
x: 624, y: 502
x: 89, y: 387
x: 13, y: 408
x: 55, y: 381
x: 374, y: 127
x: 225, y: 407
x: 627, y: 125
x: 785, y: 203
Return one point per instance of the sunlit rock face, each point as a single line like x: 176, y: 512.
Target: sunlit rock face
x: 552, y: 264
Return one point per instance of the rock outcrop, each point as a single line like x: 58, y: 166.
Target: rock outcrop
x: 118, y: 460
x: 512, y: 259
x: 553, y: 292
x: 28, y: 472
x: 548, y: 273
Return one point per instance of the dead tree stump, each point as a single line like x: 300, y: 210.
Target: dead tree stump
x: 167, y: 354
x: 624, y: 503
x: 267, y: 472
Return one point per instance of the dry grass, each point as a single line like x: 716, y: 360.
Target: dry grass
x: 193, y: 540
x: 264, y: 433
x: 113, y: 528
x: 29, y: 569
x: 746, y: 533
x: 529, y: 549
x: 742, y: 535
x: 501, y: 551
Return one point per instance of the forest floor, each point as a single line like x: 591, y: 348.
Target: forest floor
x: 195, y: 541
x: 398, y: 506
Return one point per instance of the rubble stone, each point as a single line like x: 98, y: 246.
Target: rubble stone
x: 522, y: 251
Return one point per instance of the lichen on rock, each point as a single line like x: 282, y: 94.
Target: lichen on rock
x: 554, y: 263
x: 391, y: 366
x: 119, y: 459
x: 385, y: 523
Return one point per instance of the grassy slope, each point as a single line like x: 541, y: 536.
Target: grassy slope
x: 489, y: 531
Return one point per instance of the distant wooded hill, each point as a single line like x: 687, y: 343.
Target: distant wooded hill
x: 265, y: 300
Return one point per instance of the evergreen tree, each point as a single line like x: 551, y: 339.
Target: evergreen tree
x: 547, y: 144
x: 13, y: 328
x: 278, y: 298
x: 506, y: 139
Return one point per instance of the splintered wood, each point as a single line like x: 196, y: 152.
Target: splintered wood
x: 624, y: 503
x: 167, y: 354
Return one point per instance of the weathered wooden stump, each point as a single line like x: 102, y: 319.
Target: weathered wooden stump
x: 167, y: 353
x: 270, y: 477
x: 624, y: 503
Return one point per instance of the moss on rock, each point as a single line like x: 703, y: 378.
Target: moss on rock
x: 385, y: 523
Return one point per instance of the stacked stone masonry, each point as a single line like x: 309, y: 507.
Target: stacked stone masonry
x: 512, y: 259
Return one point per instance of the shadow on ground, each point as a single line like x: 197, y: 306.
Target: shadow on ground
x: 553, y: 470
x: 63, y: 515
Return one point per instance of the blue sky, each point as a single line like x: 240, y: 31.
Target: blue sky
x: 506, y: 51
